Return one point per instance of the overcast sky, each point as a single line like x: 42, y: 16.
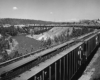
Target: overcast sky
x: 50, y: 10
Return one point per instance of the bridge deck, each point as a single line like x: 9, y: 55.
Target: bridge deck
x: 97, y: 25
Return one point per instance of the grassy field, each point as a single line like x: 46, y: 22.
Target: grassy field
x: 26, y: 45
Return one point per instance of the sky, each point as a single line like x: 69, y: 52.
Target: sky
x: 50, y: 10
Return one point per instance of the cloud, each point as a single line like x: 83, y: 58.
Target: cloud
x: 51, y: 12
x: 72, y: 20
x: 15, y: 8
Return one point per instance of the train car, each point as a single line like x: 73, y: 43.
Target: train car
x: 55, y: 68
x: 91, y: 43
x: 98, y: 37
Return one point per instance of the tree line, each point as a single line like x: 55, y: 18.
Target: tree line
x: 65, y: 37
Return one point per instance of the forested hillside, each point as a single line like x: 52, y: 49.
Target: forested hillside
x: 13, y: 21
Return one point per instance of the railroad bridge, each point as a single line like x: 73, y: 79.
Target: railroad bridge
x: 95, y: 26
x: 60, y: 62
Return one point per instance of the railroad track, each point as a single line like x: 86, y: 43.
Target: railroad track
x: 19, y: 58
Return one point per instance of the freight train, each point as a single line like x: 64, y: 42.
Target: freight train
x: 78, y: 51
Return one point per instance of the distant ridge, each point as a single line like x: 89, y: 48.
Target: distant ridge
x: 15, y: 21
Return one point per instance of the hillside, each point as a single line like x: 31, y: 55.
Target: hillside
x: 55, y: 31
x: 13, y: 21
x: 26, y: 45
